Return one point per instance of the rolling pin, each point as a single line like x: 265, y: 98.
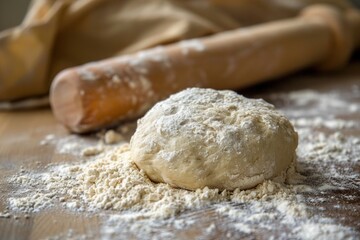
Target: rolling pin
x: 100, y: 94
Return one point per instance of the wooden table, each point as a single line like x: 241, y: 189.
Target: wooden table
x: 22, y: 131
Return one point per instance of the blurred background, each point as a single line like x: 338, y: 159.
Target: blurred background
x: 12, y: 12
x: 60, y: 34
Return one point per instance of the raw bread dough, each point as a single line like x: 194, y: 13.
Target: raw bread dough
x: 204, y: 137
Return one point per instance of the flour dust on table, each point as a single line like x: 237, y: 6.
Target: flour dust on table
x: 132, y: 206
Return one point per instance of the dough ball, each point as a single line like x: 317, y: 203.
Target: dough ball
x: 204, y: 137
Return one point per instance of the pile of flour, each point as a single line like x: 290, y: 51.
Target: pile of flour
x: 112, y: 181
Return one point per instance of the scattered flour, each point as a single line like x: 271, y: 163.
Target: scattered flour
x: 5, y: 215
x: 319, y: 122
x: 92, y: 151
x: 188, y: 45
x: 86, y: 75
x: 134, y: 207
x: 112, y: 137
x: 48, y: 139
x: 324, y: 232
x: 71, y: 144
x: 113, y: 182
x: 310, y: 103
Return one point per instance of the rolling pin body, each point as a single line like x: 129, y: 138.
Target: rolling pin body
x: 99, y: 94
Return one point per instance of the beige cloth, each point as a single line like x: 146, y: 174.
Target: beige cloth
x: 58, y: 34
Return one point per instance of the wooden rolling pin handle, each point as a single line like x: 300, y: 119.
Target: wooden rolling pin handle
x: 342, y: 42
x: 99, y: 94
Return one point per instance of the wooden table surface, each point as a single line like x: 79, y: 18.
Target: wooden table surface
x: 22, y: 131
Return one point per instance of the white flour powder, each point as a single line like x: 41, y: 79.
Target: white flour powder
x: 188, y: 45
x: 112, y: 181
